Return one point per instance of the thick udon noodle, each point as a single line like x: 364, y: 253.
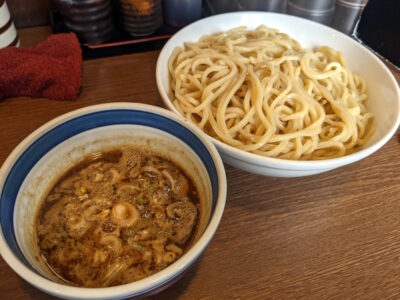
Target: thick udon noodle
x: 259, y: 91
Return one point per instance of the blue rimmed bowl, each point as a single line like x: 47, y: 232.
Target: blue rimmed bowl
x: 45, y: 154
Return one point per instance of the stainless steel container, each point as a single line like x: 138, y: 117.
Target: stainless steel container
x: 263, y: 5
x: 347, y: 13
x: 321, y: 12
x: 314, y: 5
x: 354, y: 2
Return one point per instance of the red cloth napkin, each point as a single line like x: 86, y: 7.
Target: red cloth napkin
x: 52, y: 69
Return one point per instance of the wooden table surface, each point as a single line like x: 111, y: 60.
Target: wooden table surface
x: 329, y: 236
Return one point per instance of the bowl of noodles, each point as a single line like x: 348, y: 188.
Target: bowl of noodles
x: 279, y: 95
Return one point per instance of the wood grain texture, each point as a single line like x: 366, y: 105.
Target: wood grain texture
x: 329, y: 236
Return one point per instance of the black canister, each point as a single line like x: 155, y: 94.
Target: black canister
x: 139, y: 17
x: 91, y: 20
x: 221, y: 6
x: 179, y: 13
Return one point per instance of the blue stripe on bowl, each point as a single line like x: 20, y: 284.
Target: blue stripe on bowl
x: 75, y: 126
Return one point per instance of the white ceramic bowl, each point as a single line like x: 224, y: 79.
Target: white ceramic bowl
x: 384, y: 96
x: 47, y: 152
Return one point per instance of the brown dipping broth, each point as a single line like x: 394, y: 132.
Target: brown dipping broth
x: 116, y: 217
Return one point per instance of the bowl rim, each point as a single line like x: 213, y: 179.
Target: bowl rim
x: 134, y: 288
x: 272, y: 162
